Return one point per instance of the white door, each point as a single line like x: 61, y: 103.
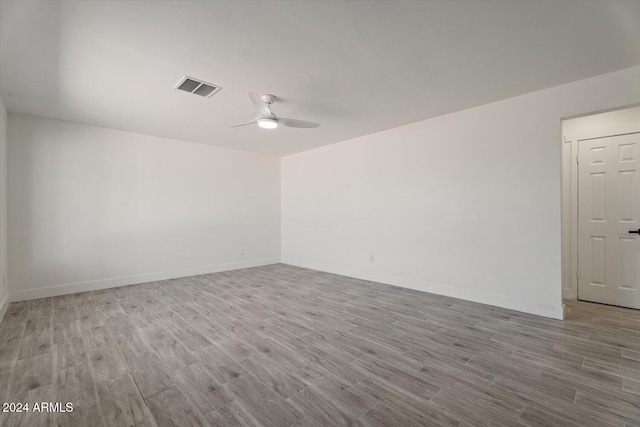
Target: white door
x: 609, y: 220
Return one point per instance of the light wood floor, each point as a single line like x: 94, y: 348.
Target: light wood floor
x: 281, y: 346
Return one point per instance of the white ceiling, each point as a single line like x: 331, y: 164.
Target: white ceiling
x: 355, y: 67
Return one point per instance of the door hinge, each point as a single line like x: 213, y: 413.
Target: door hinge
x: 577, y: 160
x: 578, y: 275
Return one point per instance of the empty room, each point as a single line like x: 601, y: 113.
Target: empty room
x: 320, y: 213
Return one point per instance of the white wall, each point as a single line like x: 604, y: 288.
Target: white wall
x: 601, y: 122
x: 466, y: 205
x: 4, y: 285
x: 92, y: 207
x: 595, y: 125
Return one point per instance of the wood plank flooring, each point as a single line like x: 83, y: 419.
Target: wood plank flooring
x: 285, y: 346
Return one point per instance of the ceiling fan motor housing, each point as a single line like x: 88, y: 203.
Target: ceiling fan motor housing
x: 269, y: 99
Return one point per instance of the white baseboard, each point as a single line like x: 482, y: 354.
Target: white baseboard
x: 525, y: 306
x: 72, y: 288
x: 3, y: 307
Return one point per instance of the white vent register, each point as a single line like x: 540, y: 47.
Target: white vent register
x: 197, y: 87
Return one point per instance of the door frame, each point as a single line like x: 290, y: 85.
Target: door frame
x: 570, y: 145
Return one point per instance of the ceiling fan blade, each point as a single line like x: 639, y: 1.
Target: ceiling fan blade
x: 262, y: 106
x: 243, y: 124
x: 293, y: 123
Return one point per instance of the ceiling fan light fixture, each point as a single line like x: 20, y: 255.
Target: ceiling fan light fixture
x: 267, y: 123
x: 266, y: 119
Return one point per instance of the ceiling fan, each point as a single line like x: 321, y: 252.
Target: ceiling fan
x: 267, y: 120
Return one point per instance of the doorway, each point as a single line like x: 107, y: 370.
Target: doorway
x: 601, y: 208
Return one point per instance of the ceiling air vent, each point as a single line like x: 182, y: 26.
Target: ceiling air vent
x: 197, y: 87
